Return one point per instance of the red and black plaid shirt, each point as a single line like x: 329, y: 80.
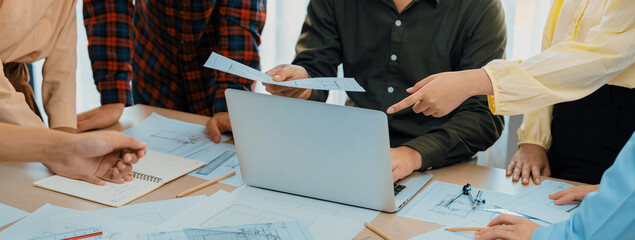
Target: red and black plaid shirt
x: 163, y: 45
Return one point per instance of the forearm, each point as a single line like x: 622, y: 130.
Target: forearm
x: 240, y: 32
x: 471, y: 129
x: 58, y: 73
x: 109, y: 30
x: 31, y: 144
x: 607, y: 213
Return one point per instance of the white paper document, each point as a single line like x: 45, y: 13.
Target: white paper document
x: 224, y: 209
x: 152, y: 213
x: 357, y: 214
x: 292, y: 230
x: 224, y: 64
x: 432, y: 205
x: 51, y: 220
x: 10, y: 214
x: 535, y: 202
x: 188, y: 140
x: 93, y: 233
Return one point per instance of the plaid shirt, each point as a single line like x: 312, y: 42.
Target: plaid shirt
x: 163, y: 45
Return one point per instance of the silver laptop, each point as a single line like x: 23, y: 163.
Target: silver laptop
x: 319, y: 150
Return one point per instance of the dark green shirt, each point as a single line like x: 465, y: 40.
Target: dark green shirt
x: 387, y: 52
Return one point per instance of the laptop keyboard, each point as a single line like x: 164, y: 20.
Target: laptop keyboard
x: 398, y: 188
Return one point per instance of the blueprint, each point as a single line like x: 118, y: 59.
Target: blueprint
x: 432, y: 205
x: 535, y: 202
x: 224, y: 64
x: 152, y: 213
x: 10, y: 214
x: 357, y: 214
x: 262, y: 231
x: 224, y: 209
x: 188, y: 140
x: 51, y: 220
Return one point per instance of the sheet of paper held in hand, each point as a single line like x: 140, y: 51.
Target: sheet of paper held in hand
x: 224, y: 64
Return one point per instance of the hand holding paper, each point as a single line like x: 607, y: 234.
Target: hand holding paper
x: 286, y: 72
x: 221, y: 63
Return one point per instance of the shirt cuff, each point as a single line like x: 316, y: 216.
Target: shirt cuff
x: 507, y: 78
x: 61, y: 115
x: 431, y: 156
x: 493, y: 100
x: 116, y: 90
x: 553, y: 231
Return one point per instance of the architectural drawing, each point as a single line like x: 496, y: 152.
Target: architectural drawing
x: 535, y: 202
x: 263, y: 231
x: 187, y: 140
x: 461, y: 207
x: 245, y: 213
x: 432, y: 205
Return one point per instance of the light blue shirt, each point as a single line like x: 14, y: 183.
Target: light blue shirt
x: 608, y: 213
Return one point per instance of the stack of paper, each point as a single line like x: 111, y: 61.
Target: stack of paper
x: 51, y: 220
x: 240, y: 208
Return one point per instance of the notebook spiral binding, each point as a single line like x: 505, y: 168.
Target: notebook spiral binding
x: 146, y: 177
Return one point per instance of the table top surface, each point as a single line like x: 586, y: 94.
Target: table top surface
x: 17, y: 179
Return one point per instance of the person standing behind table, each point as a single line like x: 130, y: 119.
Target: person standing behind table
x: 390, y: 45
x: 162, y: 46
x: 33, y: 30
x: 586, y: 71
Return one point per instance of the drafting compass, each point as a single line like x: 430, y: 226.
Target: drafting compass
x: 467, y: 190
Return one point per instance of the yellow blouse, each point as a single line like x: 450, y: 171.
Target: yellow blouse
x: 586, y: 44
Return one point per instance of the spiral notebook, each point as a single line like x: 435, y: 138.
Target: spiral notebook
x: 150, y: 173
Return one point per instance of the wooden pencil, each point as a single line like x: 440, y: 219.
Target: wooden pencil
x: 205, y: 184
x: 464, y: 229
x: 376, y: 230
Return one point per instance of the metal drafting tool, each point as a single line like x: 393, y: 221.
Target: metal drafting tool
x: 467, y: 190
x: 216, y: 162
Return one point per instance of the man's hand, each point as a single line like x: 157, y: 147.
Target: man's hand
x: 286, y: 72
x: 573, y: 193
x: 100, y: 117
x: 95, y: 156
x: 218, y: 124
x: 507, y: 227
x: 529, y: 161
x: 440, y: 94
x: 405, y: 160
